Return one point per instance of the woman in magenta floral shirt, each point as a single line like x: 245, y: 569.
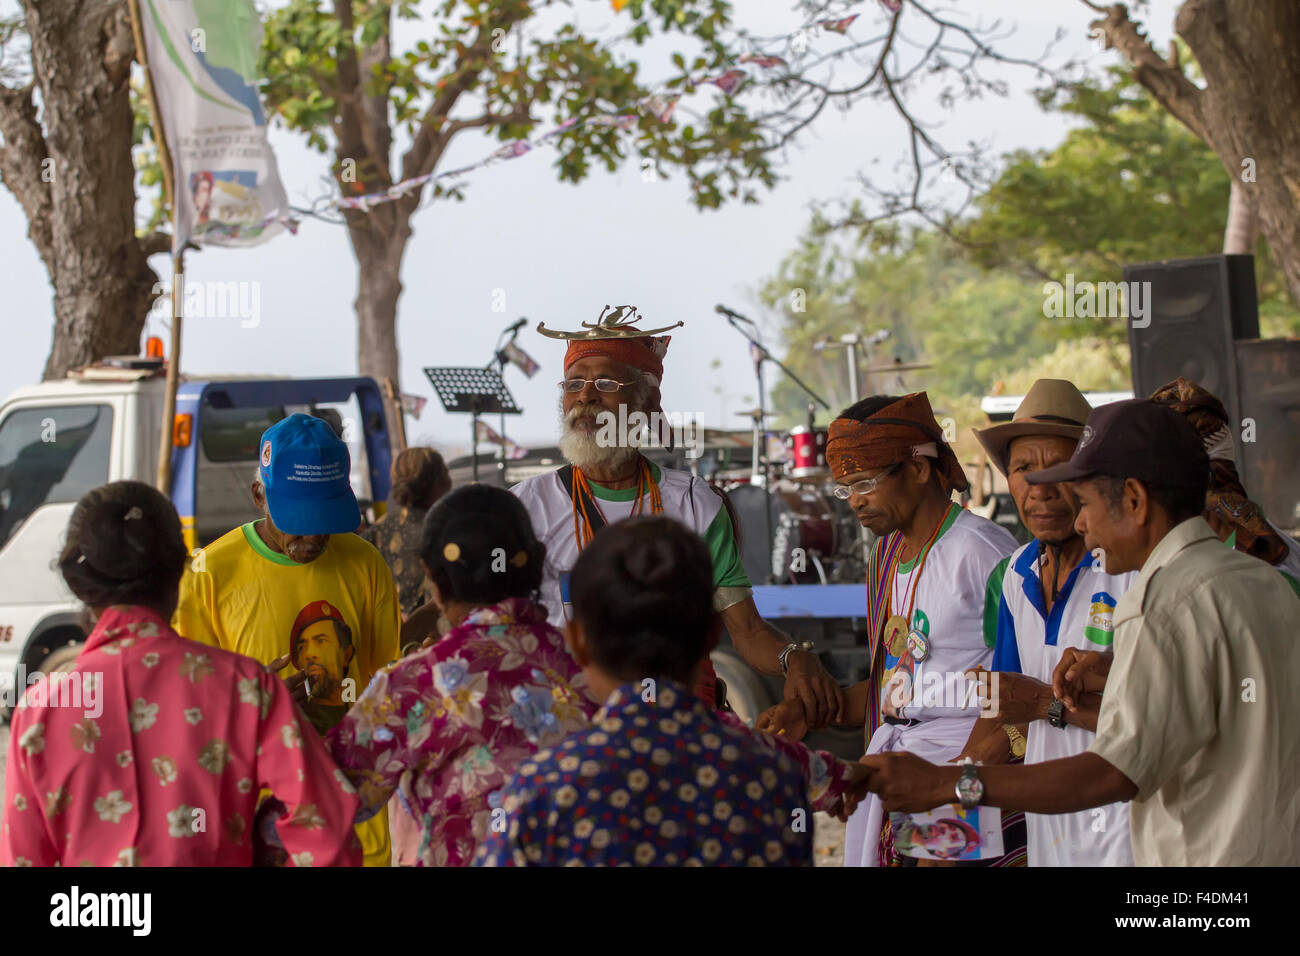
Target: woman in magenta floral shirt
x: 448, y: 725
x: 153, y: 749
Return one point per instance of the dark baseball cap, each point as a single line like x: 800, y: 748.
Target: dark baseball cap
x: 1135, y: 439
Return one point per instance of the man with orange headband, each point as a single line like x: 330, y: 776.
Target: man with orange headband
x: 612, y: 373
x: 925, y: 601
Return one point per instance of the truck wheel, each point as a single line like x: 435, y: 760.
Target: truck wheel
x: 745, y: 691
x: 61, y: 659
x: 54, y: 652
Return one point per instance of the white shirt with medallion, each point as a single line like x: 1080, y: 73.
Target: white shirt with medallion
x: 948, y: 610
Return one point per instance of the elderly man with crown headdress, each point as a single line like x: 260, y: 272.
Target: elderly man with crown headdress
x: 612, y: 372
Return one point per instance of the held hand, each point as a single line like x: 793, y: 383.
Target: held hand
x: 297, y: 683
x: 858, y: 788
x: 786, y: 718
x: 807, y: 681
x: 1079, y: 672
x: 1013, y: 698
x: 908, y: 784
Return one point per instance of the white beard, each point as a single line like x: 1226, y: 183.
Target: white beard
x: 584, y: 452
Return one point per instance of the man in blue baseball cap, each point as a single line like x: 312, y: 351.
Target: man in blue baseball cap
x: 303, y: 486
x: 257, y: 589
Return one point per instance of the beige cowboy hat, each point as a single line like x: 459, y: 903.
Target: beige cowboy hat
x: 1052, y: 406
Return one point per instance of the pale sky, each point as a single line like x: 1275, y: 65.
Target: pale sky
x: 561, y: 252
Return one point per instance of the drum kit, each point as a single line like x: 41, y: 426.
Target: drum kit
x: 792, y: 529
x: 815, y: 537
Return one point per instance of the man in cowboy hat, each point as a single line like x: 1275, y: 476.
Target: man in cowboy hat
x: 1049, y: 595
x: 613, y: 371
x: 925, y: 598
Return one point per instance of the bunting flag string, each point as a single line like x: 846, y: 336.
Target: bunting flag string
x: 659, y: 106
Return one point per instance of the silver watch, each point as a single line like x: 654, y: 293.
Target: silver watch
x: 784, y: 658
x: 970, y: 787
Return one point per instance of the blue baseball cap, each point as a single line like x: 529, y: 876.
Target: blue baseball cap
x: 305, y: 471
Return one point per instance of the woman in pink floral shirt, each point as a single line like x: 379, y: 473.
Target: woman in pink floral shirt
x: 153, y: 750
x: 447, y: 726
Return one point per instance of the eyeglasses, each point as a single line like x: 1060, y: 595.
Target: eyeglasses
x: 866, y: 486
x: 575, y: 385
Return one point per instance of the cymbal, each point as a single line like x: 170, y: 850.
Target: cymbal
x: 754, y: 413
x: 910, y: 367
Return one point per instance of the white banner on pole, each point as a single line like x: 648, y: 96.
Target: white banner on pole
x: 203, y: 59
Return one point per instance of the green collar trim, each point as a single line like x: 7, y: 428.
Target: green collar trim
x: 257, y: 544
x: 622, y: 494
x: 948, y: 519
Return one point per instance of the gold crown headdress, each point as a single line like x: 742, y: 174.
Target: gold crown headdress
x: 618, y: 324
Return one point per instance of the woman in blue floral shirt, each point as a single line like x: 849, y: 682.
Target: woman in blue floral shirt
x: 448, y: 725
x: 660, y: 778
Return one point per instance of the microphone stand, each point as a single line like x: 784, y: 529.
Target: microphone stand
x: 760, y: 354
x: 499, y: 362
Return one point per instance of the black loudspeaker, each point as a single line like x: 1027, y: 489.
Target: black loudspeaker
x: 1197, y: 309
x: 1269, y: 465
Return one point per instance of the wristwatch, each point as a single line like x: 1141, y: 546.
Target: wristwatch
x: 970, y: 788
x: 1056, y: 713
x: 783, y: 658
x: 1017, y: 740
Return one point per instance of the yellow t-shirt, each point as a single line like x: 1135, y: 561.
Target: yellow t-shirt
x: 336, y: 616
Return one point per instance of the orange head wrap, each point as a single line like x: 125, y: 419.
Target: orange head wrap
x: 889, y: 436
x: 645, y: 354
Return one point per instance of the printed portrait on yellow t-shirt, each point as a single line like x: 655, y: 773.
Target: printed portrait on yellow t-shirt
x: 321, y: 647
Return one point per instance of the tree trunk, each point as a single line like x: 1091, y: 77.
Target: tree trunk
x: 1243, y: 224
x: 1247, y: 110
x: 73, y: 175
x: 379, y: 258
x: 1251, y: 60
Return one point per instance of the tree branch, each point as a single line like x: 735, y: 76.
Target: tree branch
x: 22, y: 161
x: 156, y: 242
x: 1163, y: 79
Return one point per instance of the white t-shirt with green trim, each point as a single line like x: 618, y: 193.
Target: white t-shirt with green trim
x: 685, y: 497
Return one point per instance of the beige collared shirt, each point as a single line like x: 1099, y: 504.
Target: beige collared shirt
x: 1202, y: 707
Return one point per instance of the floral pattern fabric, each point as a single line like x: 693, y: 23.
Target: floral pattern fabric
x: 660, y: 779
x: 447, y: 726
x: 152, y: 751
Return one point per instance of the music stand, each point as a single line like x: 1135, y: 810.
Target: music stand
x: 473, y: 390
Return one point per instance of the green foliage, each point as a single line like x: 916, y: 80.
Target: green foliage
x: 484, y: 49
x: 1129, y: 184
x: 1093, y: 364
x: 148, y: 168
x: 968, y: 323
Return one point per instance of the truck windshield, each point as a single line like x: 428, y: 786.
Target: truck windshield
x: 48, y: 455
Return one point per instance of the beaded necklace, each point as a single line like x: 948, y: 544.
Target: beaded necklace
x: 583, y: 497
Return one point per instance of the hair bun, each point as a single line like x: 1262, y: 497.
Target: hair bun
x: 652, y: 564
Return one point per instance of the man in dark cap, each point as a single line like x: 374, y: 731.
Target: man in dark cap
x: 1197, y: 725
